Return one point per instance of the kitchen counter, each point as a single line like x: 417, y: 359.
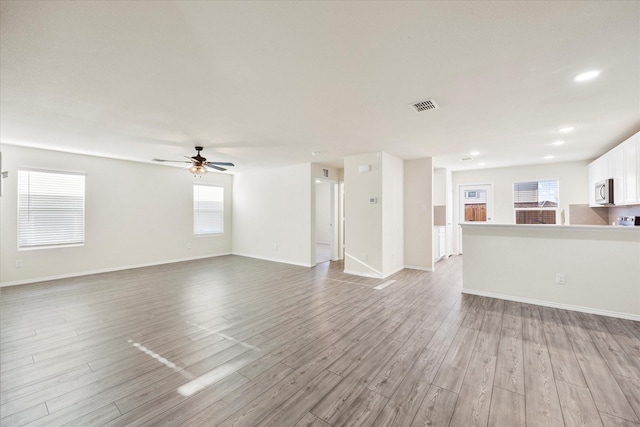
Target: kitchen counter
x: 567, y: 227
x: 599, y: 265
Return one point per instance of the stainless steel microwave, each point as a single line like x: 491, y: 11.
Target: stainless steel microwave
x: 604, y: 192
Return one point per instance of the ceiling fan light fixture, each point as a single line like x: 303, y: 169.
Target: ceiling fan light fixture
x: 198, y: 170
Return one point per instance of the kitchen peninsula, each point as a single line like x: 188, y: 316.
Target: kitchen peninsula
x: 595, y: 269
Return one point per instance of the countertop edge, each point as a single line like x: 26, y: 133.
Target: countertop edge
x: 547, y: 227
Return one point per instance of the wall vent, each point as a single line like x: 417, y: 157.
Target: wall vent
x: 427, y: 104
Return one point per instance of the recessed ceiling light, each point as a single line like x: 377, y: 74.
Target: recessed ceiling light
x: 474, y: 153
x: 587, y: 76
x: 548, y: 157
x: 481, y: 164
x: 566, y: 129
x: 558, y: 142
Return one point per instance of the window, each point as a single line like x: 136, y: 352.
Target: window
x: 535, y: 202
x: 50, y: 209
x: 208, y: 210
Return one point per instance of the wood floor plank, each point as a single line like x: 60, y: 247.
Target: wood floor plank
x: 25, y: 416
x: 489, y: 336
x: 259, y: 342
x: 507, y: 409
x: 361, y: 350
x: 563, y: 359
x: 541, y: 396
x: 474, y: 399
x: 454, y: 366
x: 342, y: 396
x: 407, y: 398
x: 297, y: 406
x: 631, y: 389
x: 436, y: 409
x: 311, y: 420
x: 510, y: 361
x: 606, y: 392
x: 364, y: 409
x: 394, y: 372
x: 611, y: 421
x: 577, y: 406
x: 256, y: 410
x: 224, y: 402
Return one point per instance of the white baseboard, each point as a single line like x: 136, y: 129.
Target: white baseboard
x: 554, y: 305
x: 413, y: 267
x: 358, y: 273
x: 105, y: 270
x: 281, y: 261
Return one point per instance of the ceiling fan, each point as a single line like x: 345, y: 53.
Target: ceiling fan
x: 199, y: 164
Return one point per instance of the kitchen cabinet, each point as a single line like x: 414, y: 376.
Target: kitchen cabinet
x: 622, y: 163
x: 630, y: 154
x: 615, y: 162
x: 597, y: 172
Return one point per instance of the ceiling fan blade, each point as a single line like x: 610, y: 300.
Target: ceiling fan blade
x: 219, y: 163
x: 215, y: 167
x: 174, y: 161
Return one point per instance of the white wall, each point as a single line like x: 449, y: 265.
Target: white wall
x: 439, y: 186
x: 601, y: 266
x: 363, y: 220
x: 418, y: 213
x: 135, y: 214
x: 272, y: 215
x: 392, y: 214
x: 573, y: 184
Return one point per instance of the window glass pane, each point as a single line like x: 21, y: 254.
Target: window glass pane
x: 50, y: 209
x: 530, y: 216
x: 535, y: 194
x: 208, y: 210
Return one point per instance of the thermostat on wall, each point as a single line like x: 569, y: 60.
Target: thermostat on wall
x: 373, y: 200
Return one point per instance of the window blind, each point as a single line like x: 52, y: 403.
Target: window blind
x: 50, y: 209
x: 208, y: 210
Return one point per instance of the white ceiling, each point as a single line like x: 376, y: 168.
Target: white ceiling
x: 265, y: 84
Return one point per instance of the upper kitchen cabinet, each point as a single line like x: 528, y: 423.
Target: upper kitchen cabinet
x: 623, y: 165
x: 631, y: 169
x: 598, y: 171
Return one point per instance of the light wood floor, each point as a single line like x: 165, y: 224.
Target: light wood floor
x: 233, y: 341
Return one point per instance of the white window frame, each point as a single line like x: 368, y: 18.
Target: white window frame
x: 196, y: 212
x: 537, y: 208
x: 31, y: 237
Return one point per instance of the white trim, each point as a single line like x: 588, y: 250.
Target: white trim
x: 415, y: 267
x: 378, y: 273
x: 402, y: 267
x: 281, y: 261
x: 581, y: 309
x: 106, y: 270
x: 358, y: 273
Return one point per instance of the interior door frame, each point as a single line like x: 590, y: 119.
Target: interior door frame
x: 334, y: 215
x: 459, y: 217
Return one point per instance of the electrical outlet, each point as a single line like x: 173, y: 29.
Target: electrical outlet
x: 275, y: 246
x: 364, y: 257
x: 561, y: 279
x: 19, y: 263
x: 188, y: 245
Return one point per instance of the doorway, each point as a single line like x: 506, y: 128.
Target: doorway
x: 325, y: 235
x: 475, y: 205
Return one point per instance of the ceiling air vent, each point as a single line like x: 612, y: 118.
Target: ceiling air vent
x: 428, y: 104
